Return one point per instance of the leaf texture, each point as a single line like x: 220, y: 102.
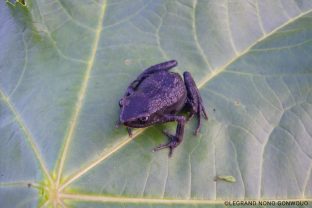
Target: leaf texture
x: 65, y: 64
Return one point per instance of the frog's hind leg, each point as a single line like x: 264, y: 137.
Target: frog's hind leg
x: 165, y: 66
x: 174, y: 140
x: 194, y: 100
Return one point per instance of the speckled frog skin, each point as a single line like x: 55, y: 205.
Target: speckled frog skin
x: 157, y: 96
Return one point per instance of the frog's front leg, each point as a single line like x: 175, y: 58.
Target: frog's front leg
x: 165, y: 66
x: 129, y: 131
x: 194, y: 99
x: 174, y: 140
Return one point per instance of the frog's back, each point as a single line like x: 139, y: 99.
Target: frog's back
x: 166, y: 91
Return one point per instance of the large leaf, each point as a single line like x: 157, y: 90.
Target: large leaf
x: 65, y: 64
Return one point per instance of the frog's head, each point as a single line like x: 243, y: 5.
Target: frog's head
x: 134, y: 111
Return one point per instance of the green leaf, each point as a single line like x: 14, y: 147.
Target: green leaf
x: 65, y: 64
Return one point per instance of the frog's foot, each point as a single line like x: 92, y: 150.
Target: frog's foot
x: 194, y: 100
x: 173, y: 142
x: 200, y: 112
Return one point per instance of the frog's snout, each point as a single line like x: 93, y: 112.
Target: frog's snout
x: 121, y: 120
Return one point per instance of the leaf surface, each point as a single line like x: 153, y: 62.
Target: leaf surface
x: 65, y: 64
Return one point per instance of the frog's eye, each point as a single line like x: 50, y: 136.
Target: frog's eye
x: 143, y: 119
x: 121, y: 102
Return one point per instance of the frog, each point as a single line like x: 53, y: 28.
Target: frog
x: 159, y: 96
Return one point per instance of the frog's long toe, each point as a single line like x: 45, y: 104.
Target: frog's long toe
x: 201, y: 112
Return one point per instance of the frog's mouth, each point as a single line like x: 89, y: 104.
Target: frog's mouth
x: 140, y: 122
x: 133, y: 125
x: 136, y: 124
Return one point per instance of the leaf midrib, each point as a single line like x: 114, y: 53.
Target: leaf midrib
x: 138, y: 200
x: 81, y: 95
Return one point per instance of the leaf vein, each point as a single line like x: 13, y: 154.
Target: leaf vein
x: 99, y: 198
x: 102, y: 157
x: 24, y: 68
x: 230, y: 31
x: 71, y: 17
x: 281, y: 48
x: 306, y: 180
x: 293, y: 138
x: 216, y: 72
x: 166, y: 179
x: 147, y: 176
x: 194, y: 29
x: 162, y: 51
x: 54, y: 43
x: 301, y: 123
x: 81, y: 95
x: 29, y: 137
x: 264, y: 98
x: 130, y: 16
x: 259, y: 18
